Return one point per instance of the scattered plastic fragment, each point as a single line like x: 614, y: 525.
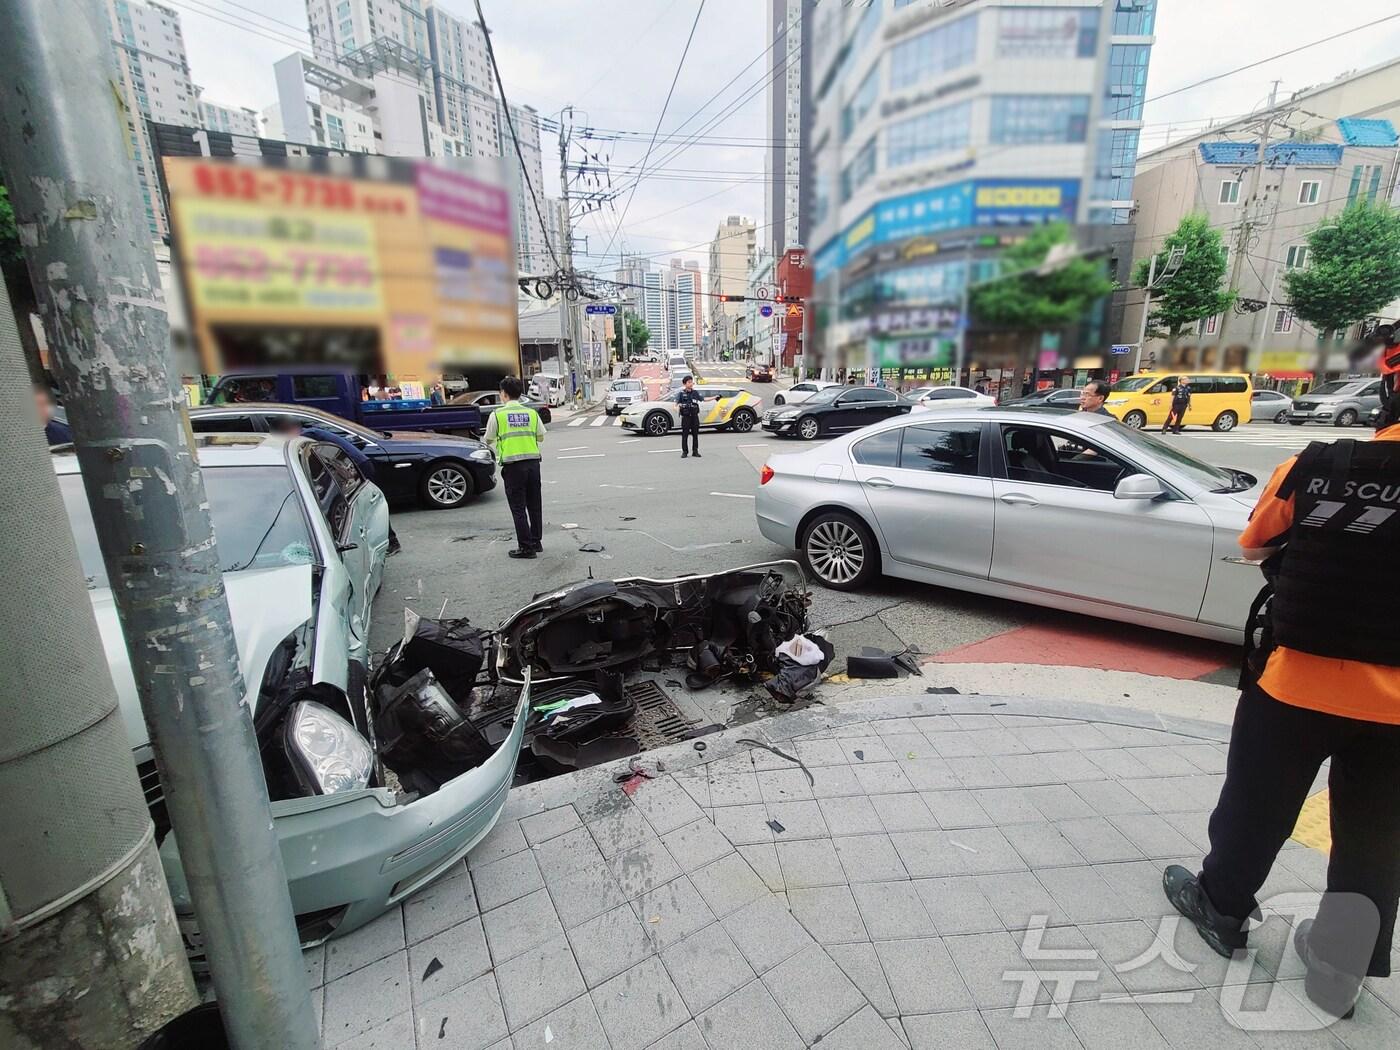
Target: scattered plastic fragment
x: 434, y: 965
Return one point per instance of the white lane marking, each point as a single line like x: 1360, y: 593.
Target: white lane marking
x: 656, y: 451
x: 574, y: 448
x: 599, y: 421
x: 761, y: 444
x: 628, y: 441
x: 589, y: 455
x: 617, y: 422
x: 732, y: 495
x: 580, y: 421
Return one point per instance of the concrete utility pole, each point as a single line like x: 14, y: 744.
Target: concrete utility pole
x: 64, y: 149
x: 1250, y: 216
x: 90, y: 954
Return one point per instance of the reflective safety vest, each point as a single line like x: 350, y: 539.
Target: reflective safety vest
x: 516, y: 427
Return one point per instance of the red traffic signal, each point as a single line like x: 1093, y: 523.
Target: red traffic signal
x: 732, y: 299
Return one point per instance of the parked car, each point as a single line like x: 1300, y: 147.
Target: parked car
x: 1066, y: 510
x: 302, y: 539
x: 731, y: 409
x: 434, y: 470
x: 941, y: 397
x: 800, y: 392
x: 1053, y: 397
x: 622, y: 394
x: 1343, y: 403
x: 1269, y: 406
x: 487, y: 400
x: 835, y: 410
x: 1219, y: 400
x: 343, y: 394
x: 550, y: 388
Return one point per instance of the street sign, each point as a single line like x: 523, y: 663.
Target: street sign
x: 599, y: 308
x: 762, y: 292
x: 765, y: 311
x: 794, y: 310
x: 1123, y: 348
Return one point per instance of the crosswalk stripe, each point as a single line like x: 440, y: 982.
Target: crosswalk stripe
x: 580, y: 421
x: 599, y: 421
x: 617, y: 422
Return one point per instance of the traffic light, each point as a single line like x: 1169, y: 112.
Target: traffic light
x: 733, y: 298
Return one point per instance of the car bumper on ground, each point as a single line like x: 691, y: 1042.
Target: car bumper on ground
x: 351, y: 856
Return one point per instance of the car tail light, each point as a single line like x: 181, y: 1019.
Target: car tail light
x: 765, y: 475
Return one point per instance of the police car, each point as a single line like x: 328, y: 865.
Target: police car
x: 735, y: 409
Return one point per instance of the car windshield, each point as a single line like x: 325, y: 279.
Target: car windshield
x: 1218, y: 478
x: 1132, y: 384
x: 258, y: 522
x: 827, y: 393
x: 1335, y: 387
x: 627, y: 384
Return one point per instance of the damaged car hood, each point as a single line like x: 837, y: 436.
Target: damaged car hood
x: 607, y: 624
x: 265, y: 606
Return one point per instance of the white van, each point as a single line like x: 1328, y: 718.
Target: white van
x: 677, y: 363
x: 552, y: 389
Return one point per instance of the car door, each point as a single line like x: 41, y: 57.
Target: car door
x: 931, y: 494
x: 1370, y: 397
x: 799, y: 393
x: 337, y: 483
x: 369, y: 521
x: 1060, y: 529
x: 1205, y: 404
x: 857, y: 407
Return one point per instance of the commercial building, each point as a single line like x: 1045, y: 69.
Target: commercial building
x: 782, y: 158
x: 629, y: 277
x: 934, y: 135
x: 236, y: 120
x: 685, y: 318
x: 654, y: 310
x: 155, y: 85
x: 731, y: 257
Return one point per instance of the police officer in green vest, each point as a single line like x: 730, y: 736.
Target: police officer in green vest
x: 515, y: 432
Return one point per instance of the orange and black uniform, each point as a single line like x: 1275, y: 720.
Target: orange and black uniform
x: 1329, y: 691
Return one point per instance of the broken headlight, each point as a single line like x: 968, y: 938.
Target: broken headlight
x: 325, y: 752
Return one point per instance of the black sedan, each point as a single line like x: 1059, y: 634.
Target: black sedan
x: 486, y: 400
x: 435, y: 470
x: 835, y: 410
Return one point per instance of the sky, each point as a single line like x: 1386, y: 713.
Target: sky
x: 614, y: 61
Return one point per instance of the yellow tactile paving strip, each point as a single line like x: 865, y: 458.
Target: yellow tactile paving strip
x: 1314, y: 827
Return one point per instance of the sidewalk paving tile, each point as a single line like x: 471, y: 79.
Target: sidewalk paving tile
x: 620, y: 831
x: 861, y: 964
x: 955, y: 809
x: 866, y: 749
x: 505, y: 880
x: 574, y: 1025
x: 440, y: 963
x: 929, y: 774
x: 881, y: 778
x: 834, y: 782
x: 537, y: 982
x: 923, y: 975
x: 666, y: 805
x: 852, y: 815
x: 828, y: 913
x: 762, y: 857
x: 728, y: 884
x: 672, y: 912
x: 1042, y: 845
x: 1058, y: 802
x: 734, y: 789
x: 541, y: 826
x: 1036, y: 1032
x: 706, y: 967
x: 503, y: 840
x: 957, y: 905
x: 686, y: 1037
x: 1152, y: 835
x: 567, y: 853
x: 799, y: 819
x: 963, y: 1029
x: 1109, y: 798
x: 905, y: 812
x: 744, y: 824
x: 469, y: 1017
x: 696, y: 844
x: 747, y: 1018
x: 891, y: 910
x: 869, y: 858
x: 808, y: 863
x: 1083, y: 895
x: 766, y: 933
x: 639, y: 1006
x: 393, y: 1034
x: 985, y: 961
x: 370, y: 943
x: 607, y: 945
x: 784, y: 785
x: 865, y: 1030
x: 587, y: 892
x: 1097, y: 840
x: 643, y: 868
x: 821, y: 753
x: 365, y: 998
x: 1019, y: 899
x: 520, y: 925
x: 813, y: 992
x: 1113, y: 1025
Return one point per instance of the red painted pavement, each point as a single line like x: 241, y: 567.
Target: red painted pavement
x: 1144, y: 651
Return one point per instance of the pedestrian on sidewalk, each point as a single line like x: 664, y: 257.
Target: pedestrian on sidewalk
x: 1330, y: 689
x: 515, y: 431
x: 688, y: 403
x: 1181, y: 401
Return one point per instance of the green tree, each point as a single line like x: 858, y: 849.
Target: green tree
x: 638, y: 334
x: 1352, y: 271
x: 1196, y: 290
x: 1021, y: 298
x: 9, y: 234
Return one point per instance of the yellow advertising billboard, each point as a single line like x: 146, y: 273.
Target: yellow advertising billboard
x: 405, y: 271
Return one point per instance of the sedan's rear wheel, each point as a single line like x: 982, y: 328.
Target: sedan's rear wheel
x: 1136, y: 420
x: 780, y: 400
x: 808, y: 428
x: 446, y: 485
x: 657, y: 424
x: 840, y: 551
x: 1281, y: 416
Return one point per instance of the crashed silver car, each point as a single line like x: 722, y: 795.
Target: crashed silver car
x: 302, y: 539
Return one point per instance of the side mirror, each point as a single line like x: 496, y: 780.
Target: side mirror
x: 1139, y: 486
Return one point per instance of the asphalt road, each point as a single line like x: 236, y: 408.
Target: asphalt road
x: 656, y: 515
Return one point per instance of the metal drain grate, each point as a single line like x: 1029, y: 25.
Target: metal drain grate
x: 658, y: 720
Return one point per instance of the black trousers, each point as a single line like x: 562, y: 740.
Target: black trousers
x: 1176, y: 415
x: 690, y: 428
x: 522, y: 484
x: 1276, y: 750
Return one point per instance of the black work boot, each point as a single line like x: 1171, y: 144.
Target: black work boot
x: 1331, y: 990
x: 1223, y: 933
x: 520, y: 552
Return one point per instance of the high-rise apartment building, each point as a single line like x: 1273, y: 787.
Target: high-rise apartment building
x: 782, y: 159
x: 685, y: 321
x: 654, y: 310
x: 935, y: 134
x: 731, y: 255
x: 236, y: 120
x: 339, y: 27
x: 156, y: 85
x: 629, y: 276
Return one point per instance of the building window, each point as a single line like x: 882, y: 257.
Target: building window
x: 1027, y: 119
x: 854, y: 174
x: 1297, y: 257
x: 1283, y: 320
x: 865, y: 28
x: 933, y: 52
x: 864, y: 98
x: 928, y: 134
x: 1134, y: 17
x: 1127, y: 81
x: 1308, y: 192
x: 1114, y: 165
x: 1047, y: 32
x: 1229, y: 191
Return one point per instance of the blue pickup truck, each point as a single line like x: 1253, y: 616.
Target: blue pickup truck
x: 342, y: 394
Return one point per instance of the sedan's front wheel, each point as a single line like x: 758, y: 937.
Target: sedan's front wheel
x: 657, y: 424
x: 446, y: 485
x: 840, y: 551
x: 808, y: 427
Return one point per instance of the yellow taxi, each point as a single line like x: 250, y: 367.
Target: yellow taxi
x: 1219, y: 400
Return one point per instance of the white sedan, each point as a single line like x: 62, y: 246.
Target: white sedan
x: 1072, y: 510
x: 941, y: 397
x: 800, y: 392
